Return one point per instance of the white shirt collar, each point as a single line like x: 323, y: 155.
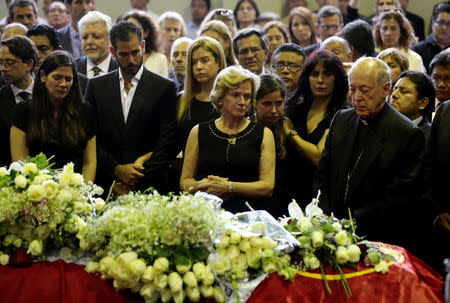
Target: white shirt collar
x: 417, y: 121
x: 104, y: 65
x: 136, y: 77
x: 17, y: 90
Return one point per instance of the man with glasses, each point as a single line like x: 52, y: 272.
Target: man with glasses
x: 440, y: 74
x: 17, y: 58
x: 251, y: 50
x: 287, y: 62
x: 329, y: 23
x: 439, y: 39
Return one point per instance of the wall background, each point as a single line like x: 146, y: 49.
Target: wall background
x: 114, y: 8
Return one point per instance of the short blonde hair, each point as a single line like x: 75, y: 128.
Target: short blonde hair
x: 231, y: 78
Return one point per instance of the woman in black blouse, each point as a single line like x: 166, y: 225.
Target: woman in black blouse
x: 56, y: 121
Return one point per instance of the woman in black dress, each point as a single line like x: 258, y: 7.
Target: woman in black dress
x: 322, y: 89
x: 56, y: 121
x: 231, y: 157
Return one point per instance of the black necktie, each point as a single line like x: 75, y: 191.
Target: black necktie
x: 25, y: 96
x: 96, y: 70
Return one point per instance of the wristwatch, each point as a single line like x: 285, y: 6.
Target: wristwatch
x: 292, y: 133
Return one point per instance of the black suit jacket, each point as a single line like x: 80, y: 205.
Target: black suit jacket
x: 384, y: 185
x: 82, y: 65
x: 64, y: 38
x: 150, y: 126
x: 417, y: 23
x: 7, y: 103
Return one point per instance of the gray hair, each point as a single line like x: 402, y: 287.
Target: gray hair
x: 178, y: 41
x: 170, y: 15
x: 94, y: 17
x: 336, y: 39
x: 382, y: 70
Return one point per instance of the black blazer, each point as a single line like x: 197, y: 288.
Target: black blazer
x: 82, y: 65
x: 426, y: 127
x: 7, y: 103
x: 384, y: 185
x: 150, y: 126
x: 64, y: 38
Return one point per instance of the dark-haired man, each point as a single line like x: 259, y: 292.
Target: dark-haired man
x: 17, y: 58
x: 24, y: 12
x: 250, y: 48
x: 199, y: 9
x: 135, y: 111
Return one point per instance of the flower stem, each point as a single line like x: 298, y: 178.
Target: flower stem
x: 236, y: 289
x: 348, y: 292
x: 325, y: 279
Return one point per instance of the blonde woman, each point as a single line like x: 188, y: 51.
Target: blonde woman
x: 205, y: 59
x: 231, y: 157
x: 218, y: 30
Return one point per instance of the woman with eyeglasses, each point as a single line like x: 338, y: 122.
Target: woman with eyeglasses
x: 224, y: 15
x: 322, y: 91
x: 231, y: 157
x: 301, y: 27
x: 246, y: 12
x: 394, y: 30
x: 216, y: 29
x: 56, y: 121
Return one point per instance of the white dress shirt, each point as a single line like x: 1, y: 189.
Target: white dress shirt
x: 17, y: 91
x: 104, y: 66
x: 127, y: 98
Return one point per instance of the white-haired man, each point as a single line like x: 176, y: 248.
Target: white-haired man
x: 94, y: 32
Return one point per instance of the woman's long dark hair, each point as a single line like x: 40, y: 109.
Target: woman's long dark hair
x: 303, y: 96
x: 43, y: 126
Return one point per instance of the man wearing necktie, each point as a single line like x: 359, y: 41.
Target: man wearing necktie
x: 94, y: 31
x: 17, y: 58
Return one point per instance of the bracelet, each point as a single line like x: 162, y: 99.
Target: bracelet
x: 230, y: 187
x: 292, y: 133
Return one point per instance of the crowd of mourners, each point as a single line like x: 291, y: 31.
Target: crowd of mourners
x: 247, y: 105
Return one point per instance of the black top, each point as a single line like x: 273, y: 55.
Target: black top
x: 302, y: 170
x: 62, y: 153
x: 239, y: 162
x: 200, y: 112
x: 427, y: 49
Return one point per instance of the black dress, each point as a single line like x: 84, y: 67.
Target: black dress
x: 62, y: 153
x: 239, y: 161
x: 302, y: 171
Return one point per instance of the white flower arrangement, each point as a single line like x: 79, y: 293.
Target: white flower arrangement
x: 36, y: 206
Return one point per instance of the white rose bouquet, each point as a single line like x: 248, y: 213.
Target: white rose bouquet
x: 37, y: 205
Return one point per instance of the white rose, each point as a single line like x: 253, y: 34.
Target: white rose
x: 337, y: 225
x: 341, y: 255
x: 35, y: 248
x: 258, y: 227
x: 207, y: 291
x: 175, y: 281
x: 27, y: 234
x: 17, y: 242
x: 304, y: 224
x: 148, y: 291
x: 312, y: 263
x: 268, y: 243
x: 256, y: 242
x: 189, y: 279
x: 3, y: 171
x: 244, y: 245
x: 51, y: 187
x: 160, y: 282
x: 219, y: 294
x: 76, y: 179
x: 235, y: 238
x: 254, y: 256
x: 382, y: 267
x: 99, y: 204
x: 193, y: 293
x: 317, y: 239
x: 233, y: 251
x: 20, y: 181
x: 87, y: 207
x: 63, y: 196
x: 30, y: 168
x: 105, y: 264
x: 92, y: 267
x: 161, y: 264
x: 198, y: 269
x: 65, y: 253
x: 4, y: 259
x: 341, y: 238
x: 36, y: 192
x: 354, y: 253
x: 221, y: 264
x: 178, y: 297
x: 42, y: 231
x: 208, y: 278
x: 78, y: 207
x: 224, y: 242
x: 64, y: 179
x: 137, y: 268
x: 148, y: 275
x: 68, y: 168
x: 126, y: 258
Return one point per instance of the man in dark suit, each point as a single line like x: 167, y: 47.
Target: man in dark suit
x: 372, y: 162
x: 440, y: 166
x: 135, y: 111
x: 94, y: 31
x: 69, y: 36
x: 17, y: 58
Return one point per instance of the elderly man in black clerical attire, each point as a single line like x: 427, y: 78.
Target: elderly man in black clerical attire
x: 372, y: 163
